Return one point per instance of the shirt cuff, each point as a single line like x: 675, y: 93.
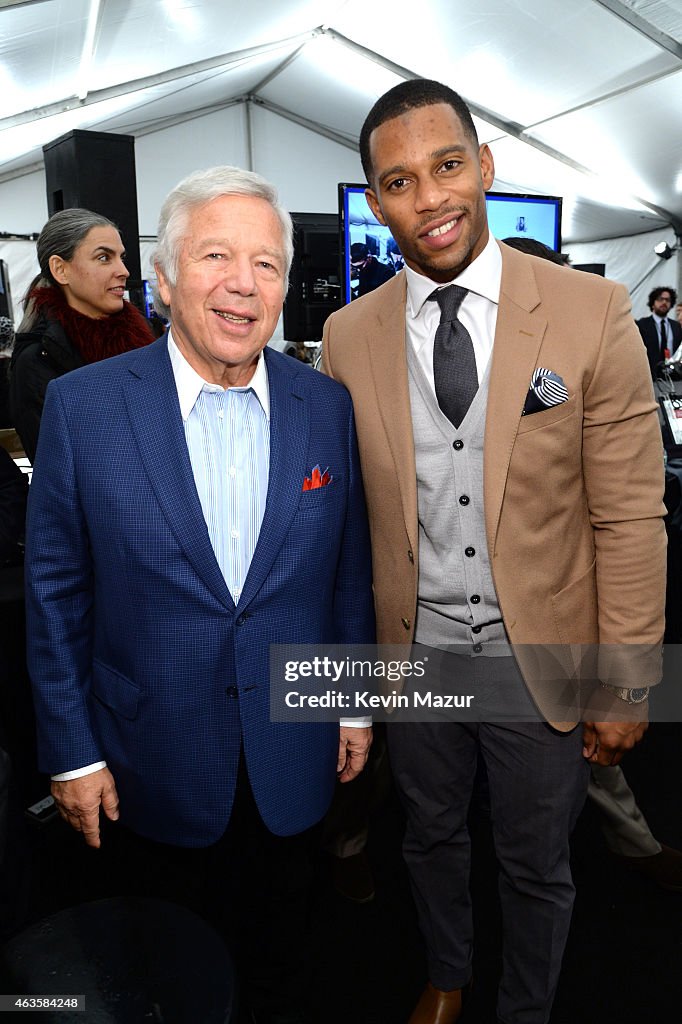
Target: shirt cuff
x: 78, y: 773
x: 356, y: 723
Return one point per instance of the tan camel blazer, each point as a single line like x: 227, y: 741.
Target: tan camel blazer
x: 573, y: 494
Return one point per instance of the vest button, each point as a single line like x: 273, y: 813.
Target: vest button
x: 477, y: 648
x: 464, y: 500
x: 476, y: 629
x: 458, y: 445
x: 475, y: 598
x: 406, y: 623
x: 470, y: 552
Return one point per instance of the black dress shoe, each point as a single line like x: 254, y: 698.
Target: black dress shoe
x: 352, y: 877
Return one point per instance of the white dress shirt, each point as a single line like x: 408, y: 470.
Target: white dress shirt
x: 478, y: 312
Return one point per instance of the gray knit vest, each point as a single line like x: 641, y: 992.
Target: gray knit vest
x: 457, y: 603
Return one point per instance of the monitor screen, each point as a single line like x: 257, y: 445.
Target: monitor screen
x: 370, y: 255
x: 527, y: 216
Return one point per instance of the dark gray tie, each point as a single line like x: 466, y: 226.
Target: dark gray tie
x: 664, y: 337
x: 454, y: 363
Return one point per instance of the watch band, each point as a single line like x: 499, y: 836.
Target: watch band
x: 636, y: 695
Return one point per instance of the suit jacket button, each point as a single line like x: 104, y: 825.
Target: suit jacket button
x: 406, y: 623
x: 410, y: 555
x: 232, y: 691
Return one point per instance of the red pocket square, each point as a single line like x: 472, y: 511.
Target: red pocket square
x: 317, y: 479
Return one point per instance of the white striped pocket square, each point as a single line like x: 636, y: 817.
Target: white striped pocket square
x: 546, y: 389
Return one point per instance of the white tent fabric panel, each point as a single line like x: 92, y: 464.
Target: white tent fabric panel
x: 163, y: 158
x: 305, y: 167
x: 527, y: 60
x: 23, y: 203
x: 632, y: 261
x: 590, y: 85
x: 621, y: 138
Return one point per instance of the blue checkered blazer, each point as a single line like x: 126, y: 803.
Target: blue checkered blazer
x: 134, y: 640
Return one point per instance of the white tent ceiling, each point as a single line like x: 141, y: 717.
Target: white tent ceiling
x: 579, y: 98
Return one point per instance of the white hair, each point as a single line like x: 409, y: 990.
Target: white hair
x: 196, y: 190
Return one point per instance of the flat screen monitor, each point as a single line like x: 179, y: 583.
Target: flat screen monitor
x: 525, y: 216
x: 368, y: 251
x: 509, y: 214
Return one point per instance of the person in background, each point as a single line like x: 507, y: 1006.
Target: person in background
x: 6, y: 346
x: 74, y: 313
x: 179, y: 524
x: 514, y: 481
x: 661, y: 335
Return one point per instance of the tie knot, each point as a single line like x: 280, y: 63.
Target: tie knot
x: 449, y: 299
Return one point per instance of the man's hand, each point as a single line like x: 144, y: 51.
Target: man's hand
x: 79, y: 801
x: 606, y: 742
x: 354, y: 747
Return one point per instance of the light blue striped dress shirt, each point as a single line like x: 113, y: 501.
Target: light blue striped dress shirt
x: 228, y: 439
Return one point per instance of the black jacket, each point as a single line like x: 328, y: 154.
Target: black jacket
x: 13, y: 493
x: 39, y: 356
x: 650, y: 337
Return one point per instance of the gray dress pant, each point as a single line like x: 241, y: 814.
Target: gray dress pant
x: 538, y: 783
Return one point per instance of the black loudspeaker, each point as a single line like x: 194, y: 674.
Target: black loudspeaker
x: 96, y: 171
x: 314, y: 285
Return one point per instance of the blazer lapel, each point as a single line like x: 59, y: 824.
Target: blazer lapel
x: 518, y: 336
x: 388, y: 359
x: 289, y: 428
x: 154, y: 411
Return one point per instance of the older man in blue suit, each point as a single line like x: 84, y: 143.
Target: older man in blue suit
x: 176, y: 532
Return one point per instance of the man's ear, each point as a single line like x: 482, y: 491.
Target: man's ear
x: 164, y: 288
x: 487, y: 166
x: 59, y: 269
x: 374, y: 206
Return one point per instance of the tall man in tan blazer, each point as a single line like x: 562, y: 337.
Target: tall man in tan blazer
x: 514, y: 477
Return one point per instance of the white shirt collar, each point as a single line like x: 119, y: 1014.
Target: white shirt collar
x: 190, y: 384
x: 483, y: 277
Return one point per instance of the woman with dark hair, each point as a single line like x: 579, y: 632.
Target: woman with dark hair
x: 74, y: 312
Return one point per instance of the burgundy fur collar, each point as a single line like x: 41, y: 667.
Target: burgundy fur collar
x: 94, y: 339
